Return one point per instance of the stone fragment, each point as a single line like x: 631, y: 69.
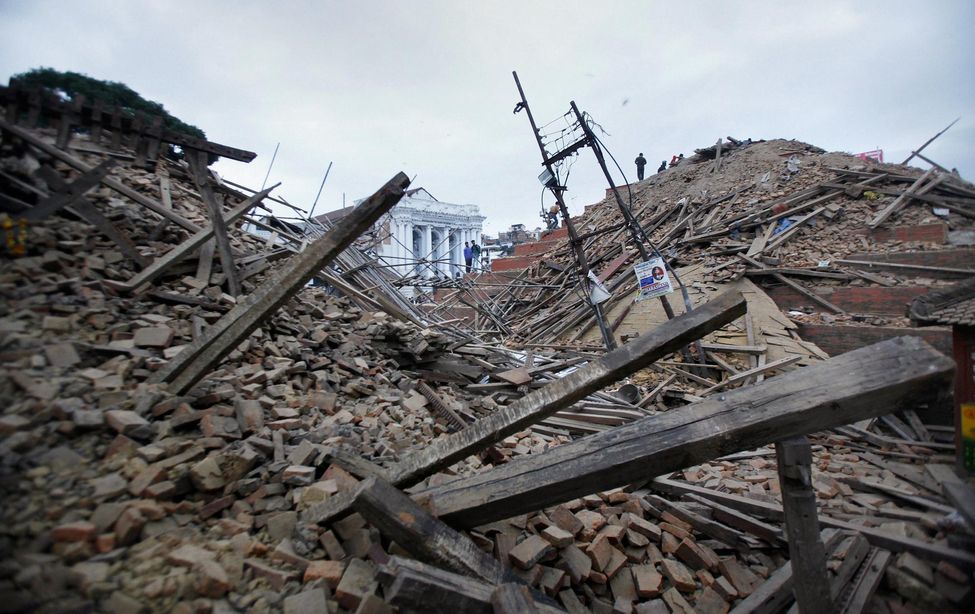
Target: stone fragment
x: 649, y: 583
x: 128, y: 527
x: 529, y: 551
x: 298, y: 475
x: 565, y: 520
x: 697, y: 557
x: 358, y: 581
x: 914, y: 566
x: 149, y: 476
x: 210, y: 579
x: 250, y: 415
x: 62, y: 355
x: 576, y: 563
x: 676, y: 602
x: 307, y: 602
x: 189, y: 555
x: 743, y: 579
x: 206, y: 475
x: 212, y: 425
x: 678, y: 575
x: 276, y: 577
x: 128, y: 423
x: 329, y: 571
x: 153, y: 337
x: 557, y: 537
x: 281, y: 526
x: 108, y: 486
x: 710, y: 602
x: 122, y: 603
x: 725, y: 589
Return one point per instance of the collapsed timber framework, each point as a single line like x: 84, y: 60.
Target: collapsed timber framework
x: 632, y: 446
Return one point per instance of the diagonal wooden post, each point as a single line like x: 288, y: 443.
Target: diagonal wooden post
x: 199, y: 357
x: 198, y: 168
x: 806, y: 551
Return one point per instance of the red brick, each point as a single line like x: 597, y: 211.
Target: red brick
x: 80, y: 531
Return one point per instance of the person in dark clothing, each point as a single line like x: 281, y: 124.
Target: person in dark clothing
x: 662, y: 167
x: 640, y: 163
x: 468, y: 255
x: 476, y: 255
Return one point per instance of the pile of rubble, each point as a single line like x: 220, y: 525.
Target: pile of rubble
x: 347, y: 454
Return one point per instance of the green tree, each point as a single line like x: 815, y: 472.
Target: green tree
x: 111, y: 93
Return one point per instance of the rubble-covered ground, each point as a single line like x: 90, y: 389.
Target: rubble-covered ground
x: 122, y: 497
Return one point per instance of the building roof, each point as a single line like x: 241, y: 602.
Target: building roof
x: 334, y: 216
x: 954, y: 305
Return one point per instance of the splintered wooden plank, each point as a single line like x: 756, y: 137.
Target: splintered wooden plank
x: 871, y: 381
x: 199, y: 357
x: 418, y: 532
x: 643, y: 351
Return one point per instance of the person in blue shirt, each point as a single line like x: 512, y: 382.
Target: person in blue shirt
x: 468, y: 255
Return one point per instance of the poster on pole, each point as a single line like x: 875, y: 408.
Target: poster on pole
x: 653, y: 279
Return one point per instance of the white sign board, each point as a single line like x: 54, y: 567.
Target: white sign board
x: 653, y: 279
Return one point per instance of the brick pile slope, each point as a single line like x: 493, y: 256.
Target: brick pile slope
x: 701, y: 216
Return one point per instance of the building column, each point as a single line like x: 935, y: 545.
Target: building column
x: 444, y: 266
x: 402, y: 247
x: 427, y: 247
x: 455, y: 255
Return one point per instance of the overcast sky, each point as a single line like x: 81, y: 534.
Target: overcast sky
x: 426, y: 87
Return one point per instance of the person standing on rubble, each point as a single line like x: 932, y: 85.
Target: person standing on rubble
x: 476, y: 255
x: 468, y: 255
x: 640, y: 162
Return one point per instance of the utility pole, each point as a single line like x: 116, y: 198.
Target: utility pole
x: 558, y: 190
x: 640, y: 238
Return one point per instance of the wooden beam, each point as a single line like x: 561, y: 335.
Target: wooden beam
x: 199, y: 357
x: 776, y: 364
x: 643, y: 351
x: 903, y: 199
x: 546, y: 401
x: 425, y: 537
x: 67, y: 194
x: 83, y: 208
x: 413, y: 586
x: 806, y: 551
x: 77, y: 164
x: 864, y: 383
x: 782, y: 278
x: 184, y: 249
x: 200, y: 173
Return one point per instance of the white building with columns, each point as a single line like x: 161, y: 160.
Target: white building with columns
x: 425, y: 237
x: 422, y: 237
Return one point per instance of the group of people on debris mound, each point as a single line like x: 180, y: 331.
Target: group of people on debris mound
x: 641, y: 163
